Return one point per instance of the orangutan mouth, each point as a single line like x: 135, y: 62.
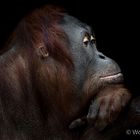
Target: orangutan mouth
x: 118, y: 77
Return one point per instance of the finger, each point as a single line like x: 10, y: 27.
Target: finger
x: 102, y: 119
x: 115, y: 108
x: 93, y: 111
x: 76, y: 123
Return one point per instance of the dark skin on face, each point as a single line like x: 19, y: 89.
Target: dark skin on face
x: 89, y: 63
x: 101, y: 73
x: 53, y: 80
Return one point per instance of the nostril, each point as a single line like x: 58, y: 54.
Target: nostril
x: 101, y: 56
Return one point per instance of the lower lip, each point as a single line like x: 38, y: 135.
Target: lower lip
x: 116, y: 77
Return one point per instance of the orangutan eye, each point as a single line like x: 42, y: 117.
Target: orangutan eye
x: 92, y: 39
x: 86, y: 40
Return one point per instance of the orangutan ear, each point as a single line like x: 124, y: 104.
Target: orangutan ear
x: 43, y: 52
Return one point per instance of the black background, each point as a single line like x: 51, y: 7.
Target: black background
x: 116, y: 26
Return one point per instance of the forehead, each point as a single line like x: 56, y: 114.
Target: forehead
x: 74, y: 28
x: 72, y: 21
